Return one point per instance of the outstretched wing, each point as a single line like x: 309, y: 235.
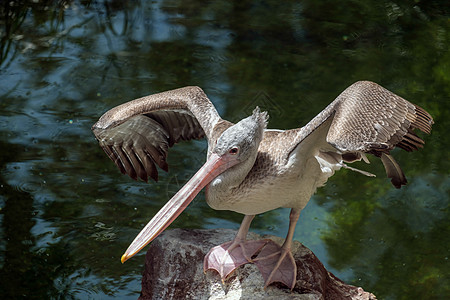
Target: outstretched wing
x: 371, y: 119
x: 367, y: 118
x: 137, y: 135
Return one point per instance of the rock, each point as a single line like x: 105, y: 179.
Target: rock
x: 174, y: 270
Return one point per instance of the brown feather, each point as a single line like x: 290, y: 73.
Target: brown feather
x: 137, y: 135
x: 393, y: 171
x: 369, y: 118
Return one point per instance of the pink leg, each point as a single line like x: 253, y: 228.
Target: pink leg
x: 276, y: 263
x: 227, y: 257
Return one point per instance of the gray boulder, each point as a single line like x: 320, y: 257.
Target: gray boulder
x: 174, y: 270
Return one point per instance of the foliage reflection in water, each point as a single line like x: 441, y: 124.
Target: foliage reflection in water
x: 67, y: 214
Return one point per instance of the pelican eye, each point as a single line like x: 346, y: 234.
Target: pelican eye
x: 233, y: 150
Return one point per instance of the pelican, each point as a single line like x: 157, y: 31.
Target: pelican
x: 251, y: 169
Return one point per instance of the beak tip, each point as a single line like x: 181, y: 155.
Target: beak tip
x: 124, y: 258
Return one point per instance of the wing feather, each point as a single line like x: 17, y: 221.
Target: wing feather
x: 135, y: 162
x: 371, y: 119
x: 137, y: 135
x: 367, y: 118
x: 393, y: 170
x: 380, y: 121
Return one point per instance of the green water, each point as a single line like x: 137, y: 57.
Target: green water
x: 66, y: 212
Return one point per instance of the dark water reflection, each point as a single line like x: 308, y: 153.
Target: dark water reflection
x: 67, y: 214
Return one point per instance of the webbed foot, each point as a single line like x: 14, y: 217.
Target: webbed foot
x: 227, y: 257
x: 276, y: 264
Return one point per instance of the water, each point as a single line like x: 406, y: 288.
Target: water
x: 67, y: 214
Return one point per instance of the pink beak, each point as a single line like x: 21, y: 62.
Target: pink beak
x: 211, y: 169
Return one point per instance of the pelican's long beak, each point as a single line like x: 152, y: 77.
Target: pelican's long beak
x: 211, y: 169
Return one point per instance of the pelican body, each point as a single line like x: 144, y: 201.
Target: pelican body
x: 251, y: 169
